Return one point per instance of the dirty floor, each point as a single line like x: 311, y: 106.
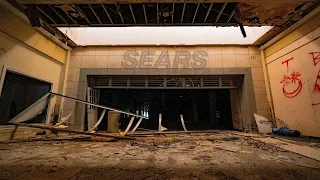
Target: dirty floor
x: 221, y: 155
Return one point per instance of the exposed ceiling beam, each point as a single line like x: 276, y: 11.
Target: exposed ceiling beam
x: 82, y: 13
x: 158, y: 19
x: 95, y: 14
x: 57, y: 13
x: 106, y: 11
x: 221, y: 11
x: 75, y: 22
x: 119, y: 12
x: 184, y: 8
x: 145, y: 13
x: 134, y: 19
x: 147, y: 1
x: 51, y: 19
x: 172, y: 11
x: 208, y: 12
x: 195, y: 13
x: 231, y: 15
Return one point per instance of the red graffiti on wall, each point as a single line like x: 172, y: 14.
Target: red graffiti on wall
x: 293, y: 82
x: 287, y: 62
x: 317, y: 83
x: 315, y: 57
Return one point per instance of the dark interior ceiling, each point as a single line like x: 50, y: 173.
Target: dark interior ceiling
x: 116, y: 13
x: 69, y: 13
x: 138, y: 14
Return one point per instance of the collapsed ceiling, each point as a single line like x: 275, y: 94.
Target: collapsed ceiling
x: 51, y: 14
x: 58, y: 13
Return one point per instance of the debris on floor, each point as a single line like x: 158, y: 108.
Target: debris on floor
x: 218, y: 155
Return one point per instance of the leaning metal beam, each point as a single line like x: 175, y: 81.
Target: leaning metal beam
x: 58, y: 14
x: 95, y: 14
x: 145, y: 13
x: 82, y: 13
x: 195, y: 13
x: 106, y: 11
x: 221, y: 11
x: 183, y: 10
x: 231, y: 15
x: 208, y: 12
x: 134, y: 19
x: 100, y: 106
x: 51, y: 19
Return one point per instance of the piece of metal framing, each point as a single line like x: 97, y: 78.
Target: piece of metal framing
x: 137, y: 125
x: 98, y: 122
x: 75, y: 22
x: 220, y: 12
x: 95, y: 14
x: 100, y: 106
x: 119, y: 12
x: 182, y: 122
x: 82, y: 13
x: 231, y: 15
x: 183, y: 10
x: 128, y: 127
x: 195, y: 13
x: 208, y: 12
x: 64, y: 119
x: 58, y: 14
x: 145, y: 13
x: 158, y: 19
x: 173, y: 4
x: 50, y: 18
x: 132, y: 14
x: 106, y: 11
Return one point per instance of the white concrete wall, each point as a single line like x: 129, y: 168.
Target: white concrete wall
x: 297, y: 104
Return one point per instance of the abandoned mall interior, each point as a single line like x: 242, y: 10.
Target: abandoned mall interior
x: 159, y: 89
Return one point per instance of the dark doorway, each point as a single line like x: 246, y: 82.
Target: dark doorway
x: 19, y: 92
x: 201, y: 109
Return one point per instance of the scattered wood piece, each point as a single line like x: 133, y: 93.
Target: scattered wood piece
x: 72, y: 131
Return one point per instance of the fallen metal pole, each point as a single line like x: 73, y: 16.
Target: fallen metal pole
x: 97, y: 105
x: 72, y: 131
x: 172, y: 132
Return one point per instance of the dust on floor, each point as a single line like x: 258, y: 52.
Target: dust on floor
x: 221, y: 155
